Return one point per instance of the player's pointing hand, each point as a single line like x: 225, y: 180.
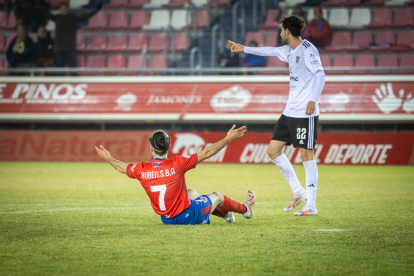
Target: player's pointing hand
x: 103, y: 153
x: 235, y: 134
x: 236, y: 47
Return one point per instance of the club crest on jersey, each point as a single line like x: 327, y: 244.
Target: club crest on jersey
x: 156, y: 164
x: 297, y: 59
x: 203, y: 199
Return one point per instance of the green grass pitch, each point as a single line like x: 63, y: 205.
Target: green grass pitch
x: 88, y: 219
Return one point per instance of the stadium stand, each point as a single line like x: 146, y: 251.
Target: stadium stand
x: 138, y: 20
x: 270, y: 23
x: 360, y: 42
x: 406, y: 61
x: 338, y: 18
x: 157, y: 42
x: 137, y: 42
x: 2, y: 44
x: 271, y: 39
x: 98, y: 21
x: 160, y: 19
x: 116, y: 43
x: 136, y: 4
x: 156, y: 4
x: 7, y: 23
x: 115, y: 62
x: 342, y: 61
x: 258, y: 37
x: 326, y: 61
x: 381, y: 18
x: 363, y: 61
x: 359, y: 18
x: 179, y: 19
x: 116, y: 4
x: 118, y: 20
x: 403, y: 18
x: 96, y: 43
x: 176, y: 4
x: 340, y: 41
x: 386, y: 61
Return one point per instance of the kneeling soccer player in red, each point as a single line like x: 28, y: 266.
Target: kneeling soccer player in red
x: 164, y: 182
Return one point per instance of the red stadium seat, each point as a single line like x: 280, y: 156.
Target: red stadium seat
x: 342, y: 61
x: 138, y: 19
x: 158, y: 62
x: 275, y: 62
x: 411, y: 3
x: 94, y: 62
x: 258, y: 37
x: 33, y: 36
x: 118, y: 20
x: 340, y: 41
x: 135, y: 62
x: 54, y: 4
x: 9, y: 39
x: 352, y: 3
x: 80, y: 42
x: 220, y: 3
x: 383, y: 39
x: 116, y: 4
x: 115, y: 62
x: 363, y: 61
x: 3, y: 46
x: 10, y: 24
x: 157, y: 42
x: 403, y: 17
x: 360, y: 42
x: 180, y: 42
x: 3, y: 19
x: 175, y: 4
x: 333, y: 3
x: 380, y: 19
x: 326, y: 61
x: 136, y: 4
x: 202, y: 20
x: 98, y: 21
x: 137, y: 42
x: 271, y: 39
x: 386, y: 61
x: 270, y: 23
x: 404, y: 40
x: 80, y: 61
x: 2, y: 66
x: 374, y: 3
x: 116, y: 43
x: 406, y: 61
x: 96, y: 43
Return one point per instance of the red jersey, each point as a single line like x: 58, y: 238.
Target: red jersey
x: 164, y: 182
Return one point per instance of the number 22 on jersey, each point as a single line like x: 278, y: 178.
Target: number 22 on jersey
x: 162, y: 189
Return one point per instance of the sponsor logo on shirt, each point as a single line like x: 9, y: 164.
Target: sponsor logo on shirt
x: 314, y: 60
x: 156, y: 164
x: 294, y: 78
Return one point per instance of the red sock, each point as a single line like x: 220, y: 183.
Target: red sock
x: 230, y: 205
x: 219, y: 212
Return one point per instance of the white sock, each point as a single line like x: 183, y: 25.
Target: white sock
x: 289, y: 174
x: 311, y: 171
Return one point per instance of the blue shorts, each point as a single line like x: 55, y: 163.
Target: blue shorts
x: 198, y: 213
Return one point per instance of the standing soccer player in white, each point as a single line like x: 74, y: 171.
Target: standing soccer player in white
x: 299, y: 122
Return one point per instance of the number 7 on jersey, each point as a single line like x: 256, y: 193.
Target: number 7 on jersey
x: 162, y: 189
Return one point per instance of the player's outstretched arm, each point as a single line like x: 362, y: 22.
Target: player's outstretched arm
x: 232, y: 135
x: 105, y: 155
x: 260, y: 51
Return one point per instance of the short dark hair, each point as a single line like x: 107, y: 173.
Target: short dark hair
x: 253, y: 43
x: 64, y: 3
x: 294, y: 23
x: 160, y: 141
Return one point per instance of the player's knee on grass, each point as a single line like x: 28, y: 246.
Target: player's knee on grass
x: 192, y: 194
x: 216, y: 199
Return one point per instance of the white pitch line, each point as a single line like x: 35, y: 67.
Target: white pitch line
x: 331, y: 230
x: 145, y: 207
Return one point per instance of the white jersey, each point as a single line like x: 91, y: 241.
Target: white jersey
x: 304, y: 62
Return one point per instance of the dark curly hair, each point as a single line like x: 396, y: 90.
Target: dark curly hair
x: 160, y: 141
x: 294, y: 23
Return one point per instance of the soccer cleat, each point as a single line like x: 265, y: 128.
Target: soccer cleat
x: 295, y: 201
x: 307, y: 211
x: 230, y: 217
x: 249, y: 201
